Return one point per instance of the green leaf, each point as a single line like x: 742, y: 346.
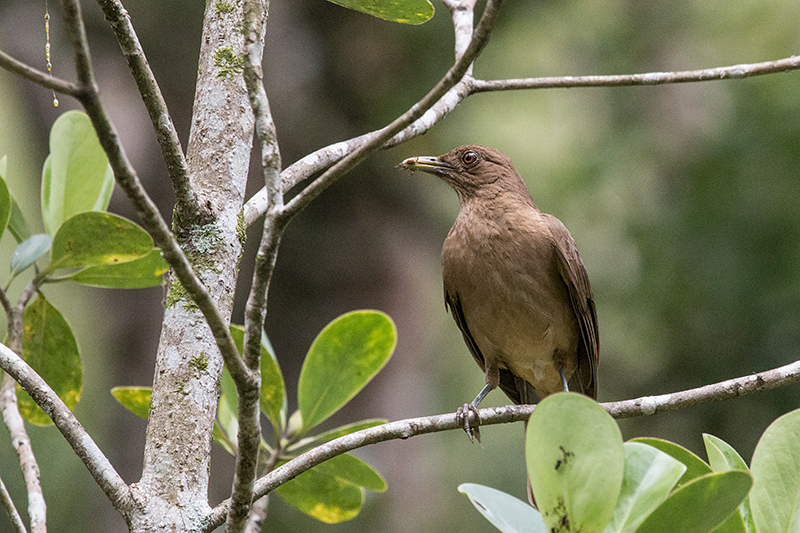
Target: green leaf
x: 576, y: 462
x: 273, y: 391
x: 335, y: 433
x: 695, y: 467
x: 228, y: 417
x: 326, y: 497
x: 650, y: 475
x: 222, y: 440
x: 723, y: 457
x: 332, y: 491
x: 403, y: 11
x: 50, y: 349
x: 5, y: 200
x: 343, y: 358
x: 353, y: 470
x: 700, y: 505
x: 504, y: 511
x: 76, y: 176
x: 734, y: 523
x: 16, y: 224
x: 229, y: 391
x: 29, y: 251
x: 95, y: 238
x: 134, y: 399
x: 147, y: 271
x: 228, y: 410
x: 776, y: 473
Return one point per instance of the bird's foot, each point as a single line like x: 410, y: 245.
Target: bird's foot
x: 469, y: 419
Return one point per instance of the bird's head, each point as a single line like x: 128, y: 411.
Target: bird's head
x: 473, y: 171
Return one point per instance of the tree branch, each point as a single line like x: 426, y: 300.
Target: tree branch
x: 147, y: 211
x: 37, y: 508
x: 325, y: 157
x: 462, y: 13
x: 403, y: 429
x: 442, y: 89
x: 89, y: 453
x: 650, y: 78
x: 167, y: 136
x: 249, y: 434
x: 38, y: 77
x: 11, y: 510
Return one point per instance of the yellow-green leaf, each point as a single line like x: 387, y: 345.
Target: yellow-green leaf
x: 17, y: 225
x: 49, y: 347
x: 343, y: 358
x: 134, y: 399
x: 5, y: 199
x: 273, y: 389
x: 94, y: 238
x: 403, y: 11
x: 326, y: 497
x: 144, y: 272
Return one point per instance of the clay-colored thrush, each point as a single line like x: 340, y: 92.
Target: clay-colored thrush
x: 514, y: 282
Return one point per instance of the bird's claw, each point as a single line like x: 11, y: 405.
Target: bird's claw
x: 468, y: 416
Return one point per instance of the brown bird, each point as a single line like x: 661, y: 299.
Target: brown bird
x: 514, y: 282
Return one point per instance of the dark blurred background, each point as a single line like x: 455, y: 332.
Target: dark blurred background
x: 683, y: 199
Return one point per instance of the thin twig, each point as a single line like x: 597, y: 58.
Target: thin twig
x: 724, y: 390
x: 249, y: 434
x: 649, y: 78
x: 324, y: 157
x: 38, y: 77
x: 167, y: 136
x: 11, y: 510
x: 4, y: 301
x: 86, y: 449
x: 403, y: 429
x: 462, y: 13
x: 37, y: 508
x: 258, y: 514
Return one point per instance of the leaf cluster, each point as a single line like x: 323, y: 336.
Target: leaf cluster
x: 343, y: 358
x: 84, y: 243
x: 586, y: 479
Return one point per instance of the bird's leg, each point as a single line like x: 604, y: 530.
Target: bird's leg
x: 563, y: 378
x: 481, y: 395
x: 466, y: 412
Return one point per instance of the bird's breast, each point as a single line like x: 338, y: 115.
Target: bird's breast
x: 515, y: 303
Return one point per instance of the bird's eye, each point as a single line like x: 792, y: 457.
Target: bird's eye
x: 469, y: 157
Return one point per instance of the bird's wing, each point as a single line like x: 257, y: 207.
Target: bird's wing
x: 517, y: 389
x: 572, y: 271
x: 453, y: 304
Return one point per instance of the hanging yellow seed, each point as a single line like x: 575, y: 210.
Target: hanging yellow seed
x: 47, y: 48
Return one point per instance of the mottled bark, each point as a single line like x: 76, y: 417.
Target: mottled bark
x: 174, y: 484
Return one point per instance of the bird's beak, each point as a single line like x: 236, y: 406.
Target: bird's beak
x: 428, y: 164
